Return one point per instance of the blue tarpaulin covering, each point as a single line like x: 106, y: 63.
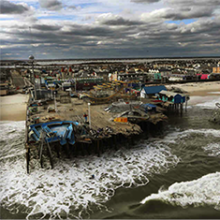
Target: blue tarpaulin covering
x: 149, y: 107
x: 150, y: 90
x: 62, y: 131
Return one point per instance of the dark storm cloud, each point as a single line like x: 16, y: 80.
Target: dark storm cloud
x: 184, y: 9
x: 7, y: 7
x: 52, y: 5
x: 145, y: 1
x: 44, y: 27
x: 187, y: 9
x: 120, y: 21
x: 101, y: 40
x: 193, y: 2
x: 116, y: 20
x: 83, y: 30
x: 173, y: 14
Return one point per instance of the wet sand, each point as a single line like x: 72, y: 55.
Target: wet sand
x: 200, y: 88
x: 201, y: 92
x: 13, y: 107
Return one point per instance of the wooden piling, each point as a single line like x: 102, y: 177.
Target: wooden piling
x: 41, y: 155
x: 75, y: 149
x: 88, y: 148
x: 28, y: 159
x: 50, y: 154
x: 102, y: 146
x: 115, y: 142
x: 181, y: 109
x: 97, y: 147
x: 82, y: 149
x: 68, y: 150
x: 57, y: 148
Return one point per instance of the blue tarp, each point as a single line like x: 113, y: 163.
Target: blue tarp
x: 63, y: 135
x: 149, y: 107
x: 150, y: 90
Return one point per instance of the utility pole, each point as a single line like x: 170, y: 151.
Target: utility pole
x: 55, y: 103
x: 31, y: 58
x: 90, y: 124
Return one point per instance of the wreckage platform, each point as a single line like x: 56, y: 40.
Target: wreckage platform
x: 94, y: 136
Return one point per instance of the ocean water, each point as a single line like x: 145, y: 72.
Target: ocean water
x: 174, y: 175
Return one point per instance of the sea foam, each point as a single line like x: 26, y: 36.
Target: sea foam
x: 200, y: 192
x: 67, y: 190
x: 213, y: 149
x: 211, y: 104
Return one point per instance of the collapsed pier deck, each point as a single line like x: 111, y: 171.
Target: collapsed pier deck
x: 102, y: 131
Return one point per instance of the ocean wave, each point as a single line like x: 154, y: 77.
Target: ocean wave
x: 67, y: 190
x: 172, y: 137
x: 209, y: 104
x: 213, y: 149
x: 214, y: 92
x: 11, y: 139
x: 201, y: 192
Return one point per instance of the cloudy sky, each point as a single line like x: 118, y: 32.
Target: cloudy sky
x: 53, y: 29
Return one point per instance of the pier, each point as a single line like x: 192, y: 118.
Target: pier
x: 91, y: 126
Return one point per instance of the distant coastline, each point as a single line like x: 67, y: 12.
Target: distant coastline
x: 115, y: 58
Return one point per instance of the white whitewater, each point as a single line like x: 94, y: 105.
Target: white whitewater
x: 67, y: 190
x: 213, y: 149
x: 210, y: 104
x: 200, y: 192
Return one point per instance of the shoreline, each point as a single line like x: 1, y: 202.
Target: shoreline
x: 198, y: 88
x: 13, y: 107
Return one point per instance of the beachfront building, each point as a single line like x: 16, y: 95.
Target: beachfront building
x: 149, y: 91
x: 215, y: 75
x: 216, y: 69
x: 141, y: 77
x: 174, y: 98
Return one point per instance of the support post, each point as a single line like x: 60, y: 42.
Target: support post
x: 50, y: 154
x: 181, y: 109
x: 98, y: 150
x: 90, y: 123
x: 41, y: 152
x: 115, y: 142
x: 57, y: 150
x: 28, y: 159
x: 82, y: 149
x: 68, y: 150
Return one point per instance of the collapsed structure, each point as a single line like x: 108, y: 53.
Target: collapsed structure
x: 85, y: 112
x: 61, y: 117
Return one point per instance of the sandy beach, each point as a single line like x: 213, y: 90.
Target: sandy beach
x: 201, y: 93
x: 200, y: 88
x: 13, y: 107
